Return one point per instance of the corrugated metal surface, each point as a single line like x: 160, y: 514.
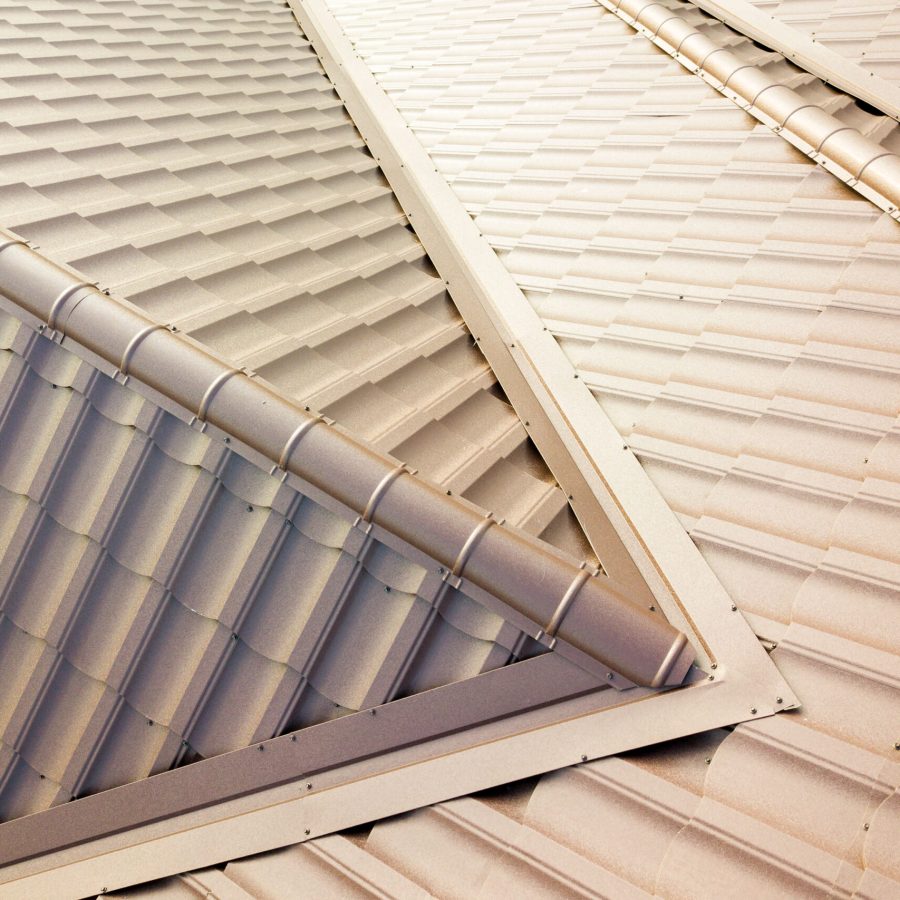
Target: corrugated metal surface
x: 162, y: 599
x: 734, y: 309
x: 865, y: 31
x: 195, y: 158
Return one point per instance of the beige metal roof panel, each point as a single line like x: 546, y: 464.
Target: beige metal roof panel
x: 668, y: 799
x: 235, y: 200
x: 867, y: 33
x: 745, y: 377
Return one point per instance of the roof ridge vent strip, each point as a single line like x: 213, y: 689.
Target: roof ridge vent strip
x: 521, y: 571
x: 860, y: 163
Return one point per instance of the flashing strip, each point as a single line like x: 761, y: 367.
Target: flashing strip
x: 297, y: 757
x: 296, y: 807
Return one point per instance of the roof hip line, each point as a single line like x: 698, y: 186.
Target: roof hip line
x: 520, y: 570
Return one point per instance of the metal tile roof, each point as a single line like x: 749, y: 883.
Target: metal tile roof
x: 158, y: 594
x: 733, y: 309
x: 234, y: 199
x: 116, y: 486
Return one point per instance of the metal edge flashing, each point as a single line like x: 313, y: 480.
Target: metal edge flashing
x: 522, y: 572
x: 858, y: 162
x: 807, y: 53
x: 357, y: 738
x: 607, y: 484
x: 275, y: 803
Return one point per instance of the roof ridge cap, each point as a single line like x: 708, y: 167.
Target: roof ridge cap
x: 540, y: 582
x: 813, y: 56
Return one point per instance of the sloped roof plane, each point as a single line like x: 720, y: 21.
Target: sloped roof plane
x: 524, y: 739
x: 712, y: 372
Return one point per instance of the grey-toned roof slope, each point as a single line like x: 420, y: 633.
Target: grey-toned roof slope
x: 163, y: 599
x: 194, y: 157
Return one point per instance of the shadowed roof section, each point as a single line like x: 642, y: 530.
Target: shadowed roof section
x: 519, y: 570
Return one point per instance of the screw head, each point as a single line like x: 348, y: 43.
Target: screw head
x: 260, y: 748
x: 584, y: 757
x: 293, y: 738
x: 753, y: 710
x: 779, y: 700
x: 309, y: 785
x: 714, y: 665
x: 733, y: 607
x: 610, y: 676
x: 306, y: 831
